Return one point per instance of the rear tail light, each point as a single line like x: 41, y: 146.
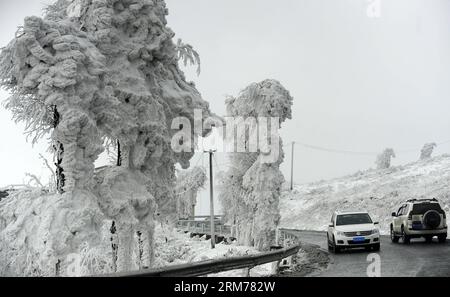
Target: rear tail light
x: 409, y: 216
x: 445, y: 216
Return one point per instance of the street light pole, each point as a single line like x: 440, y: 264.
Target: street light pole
x: 211, y: 198
x: 292, y: 166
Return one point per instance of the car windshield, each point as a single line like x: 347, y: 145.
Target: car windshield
x: 353, y: 219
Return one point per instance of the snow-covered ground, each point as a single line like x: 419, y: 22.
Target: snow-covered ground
x: 310, y: 206
x: 180, y: 248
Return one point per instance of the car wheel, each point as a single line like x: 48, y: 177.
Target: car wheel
x: 376, y: 247
x: 336, y: 249
x: 429, y: 239
x: 330, y: 246
x: 405, y: 237
x: 394, y: 238
x: 442, y: 238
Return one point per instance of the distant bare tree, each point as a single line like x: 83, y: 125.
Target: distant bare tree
x: 427, y: 150
x: 384, y: 159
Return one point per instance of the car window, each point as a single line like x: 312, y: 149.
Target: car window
x: 407, y: 207
x: 421, y: 208
x: 399, y: 212
x: 353, y: 219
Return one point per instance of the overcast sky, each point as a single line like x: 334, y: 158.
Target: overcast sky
x: 359, y: 83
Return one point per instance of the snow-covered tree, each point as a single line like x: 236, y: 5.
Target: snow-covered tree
x: 383, y: 160
x: 187, y: 186
x: 188, y: 55
x: 427, y: 150
x: 250, y: 190
x: 94, y: 70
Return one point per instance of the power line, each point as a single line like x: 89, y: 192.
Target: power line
x: 331, y: 150
x: 352, y: 152
x: 441, y: 143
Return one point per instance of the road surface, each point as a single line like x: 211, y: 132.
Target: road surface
x: 416, y: 259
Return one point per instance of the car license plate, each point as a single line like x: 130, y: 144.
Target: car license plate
x: 358, y: 239
x: 417, y: 226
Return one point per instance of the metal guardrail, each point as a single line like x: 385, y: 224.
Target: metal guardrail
x: 219, y: 265
x: 226, y: 231
x: 217, y: 217
x: 213, y: 266
x: 203, y: 227
x: 287, y: 234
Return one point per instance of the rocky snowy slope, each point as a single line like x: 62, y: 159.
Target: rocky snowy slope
x: 310, y: 206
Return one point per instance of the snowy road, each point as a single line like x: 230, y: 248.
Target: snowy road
x: 417, y: 259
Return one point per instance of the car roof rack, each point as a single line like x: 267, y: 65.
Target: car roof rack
x: 421, y: 200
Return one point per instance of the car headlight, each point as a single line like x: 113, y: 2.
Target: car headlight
x: 375, y: 231
x: 340, y: 233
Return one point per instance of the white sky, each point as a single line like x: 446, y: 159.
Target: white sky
x: 358, y: 83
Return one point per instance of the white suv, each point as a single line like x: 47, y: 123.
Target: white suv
x: 352, y: 230
x: 419, y: 218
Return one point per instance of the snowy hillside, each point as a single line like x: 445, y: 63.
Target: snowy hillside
x: 310, y: 206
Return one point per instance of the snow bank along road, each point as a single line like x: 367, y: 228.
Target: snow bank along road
x: 416, y: 259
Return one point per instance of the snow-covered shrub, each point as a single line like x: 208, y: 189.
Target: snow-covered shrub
x: 250, y: 190
x: 427, y: 150
x: 187, y: 185
x: 87, y: 71
x: 384, y: 159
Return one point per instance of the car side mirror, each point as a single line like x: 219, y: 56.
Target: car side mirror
x: 331, y: 225
x: 376, y: 223
x: 394, y: 214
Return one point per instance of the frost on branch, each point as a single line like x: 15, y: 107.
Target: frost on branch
x: 187, y: 54
x: 427, y: 150
x: 250, y: 190
x: 86, y: 72
x: 383, y: 160
x: 187, y: 186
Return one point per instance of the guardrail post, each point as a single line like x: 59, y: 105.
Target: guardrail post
x: 275, y: 264
x: 247, y: 272
x: 288, y: 261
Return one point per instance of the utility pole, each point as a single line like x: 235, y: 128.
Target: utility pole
x: 211, y: 198
x: 292, y: 166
